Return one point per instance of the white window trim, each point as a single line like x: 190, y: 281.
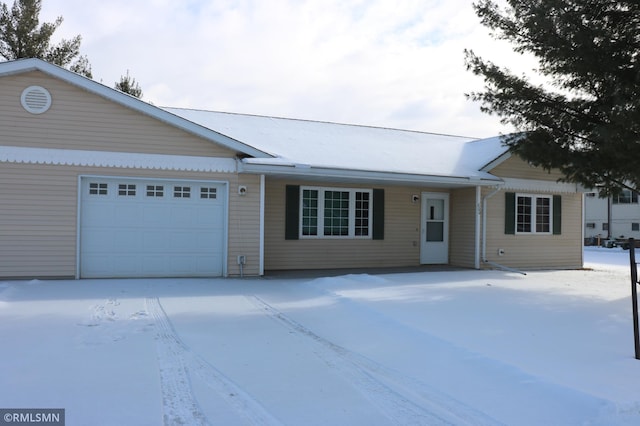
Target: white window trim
x: 534, y: 201
x: 352, y: 213
x: 616, y: 198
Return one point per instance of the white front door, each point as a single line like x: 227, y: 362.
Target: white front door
x: 434, y: 246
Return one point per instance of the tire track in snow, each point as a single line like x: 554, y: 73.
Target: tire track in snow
x: 178, y: 402
x: 404, y: 400
x: 176, y: 360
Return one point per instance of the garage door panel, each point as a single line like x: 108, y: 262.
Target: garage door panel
x: 100, y: 241
x: 155, y: 264
x: 123, y: 242
x: 209, y: 243
x: 125, y: 212
x: 202, y: 262
x: 208, y: 218
x: 185, y: 215
x: 183, y: 241
x: 172, y: 233
x: 100, y: 212
x: 125, y: 265
x: 155, y: 241
x: 183, y: 263
x: 103, y: 266
x: 155, y: 216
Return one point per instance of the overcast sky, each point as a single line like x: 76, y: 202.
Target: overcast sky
x: 387, y: 63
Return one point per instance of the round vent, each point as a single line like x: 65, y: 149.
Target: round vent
x: 36, y: 99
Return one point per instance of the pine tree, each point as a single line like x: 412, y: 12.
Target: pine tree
x: 586, y: 120
x: 127, y: 84
x: 22, y: 36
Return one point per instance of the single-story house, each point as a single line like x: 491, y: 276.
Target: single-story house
x: 96, y: 183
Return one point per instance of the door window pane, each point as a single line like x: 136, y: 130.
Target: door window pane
x: 435, y: 231
x: 435, y: 209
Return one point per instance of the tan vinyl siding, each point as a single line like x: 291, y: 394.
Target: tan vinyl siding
x: 400, y: 247
x: 81, y: 120
x: 38, y: 219
x: 37, y: 222
x: 515, y: 167
x: 536, y: 251
x: 462, y: 231
x: 244, y: 225
x: 533, y: 251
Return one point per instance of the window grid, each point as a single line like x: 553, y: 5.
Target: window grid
x: 155, y: 190
x: 182, y: 192
x: 127, y: 190
x: 96, y: 188
x: 543, y: 214
x: 210, y: 193
x: 523, y: 214
x: 533, y: 214
x: 309, y: 212
x: 335, y: 212
x: 362, y: 214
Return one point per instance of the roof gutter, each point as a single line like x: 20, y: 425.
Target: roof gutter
x: 307, y: 171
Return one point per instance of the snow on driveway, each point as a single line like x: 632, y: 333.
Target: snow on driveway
x: 429, y: 348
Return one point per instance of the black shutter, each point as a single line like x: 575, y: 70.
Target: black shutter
x: 510, y: 213
x: 378, y: 214
x: 292, y: 212
x: 557, y: 215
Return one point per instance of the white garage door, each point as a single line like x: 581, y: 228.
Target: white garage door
x: 151, y: 228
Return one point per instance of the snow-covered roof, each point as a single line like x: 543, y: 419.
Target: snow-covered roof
x: 303, y: 144
x: 311, y: 148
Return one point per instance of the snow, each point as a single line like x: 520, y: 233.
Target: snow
x: 360, y: 148
x: 457, y: 347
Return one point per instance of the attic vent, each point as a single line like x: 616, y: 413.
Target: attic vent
x: 36, y: 99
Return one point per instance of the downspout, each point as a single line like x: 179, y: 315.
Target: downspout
x: 262, y: 200
x: 484, y: 234
x: 484, y: 221
x: 478, y: 225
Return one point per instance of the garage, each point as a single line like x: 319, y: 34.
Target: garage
x: 151, y: 228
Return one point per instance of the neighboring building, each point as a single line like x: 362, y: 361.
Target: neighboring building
x: 96, y: 183
x: 611, y: 217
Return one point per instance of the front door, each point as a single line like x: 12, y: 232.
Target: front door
x: 434, y: 247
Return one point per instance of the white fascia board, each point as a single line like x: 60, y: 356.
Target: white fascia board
x: 540, y: 186
x: 26, y: 65
x: 70, y: 157
x: 306, y: 171
x: 496, y: 162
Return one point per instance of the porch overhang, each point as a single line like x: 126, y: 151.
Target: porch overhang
x: 324, y: 174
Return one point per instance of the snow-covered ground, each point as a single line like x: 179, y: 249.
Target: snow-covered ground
x: 462, y: 348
